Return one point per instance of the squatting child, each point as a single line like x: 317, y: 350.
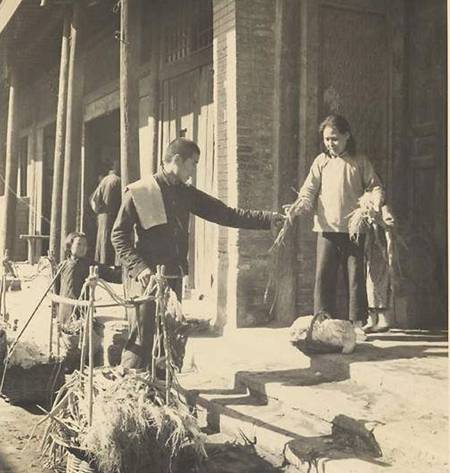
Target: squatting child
x: 75, y: 270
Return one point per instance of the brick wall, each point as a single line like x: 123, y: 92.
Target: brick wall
x: 224, y: 59
x: 244, y: 87
x: 255, y: 98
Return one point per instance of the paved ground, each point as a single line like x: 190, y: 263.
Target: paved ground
x: 252, y: 382
x: 19, y: 449
x: 395, y: 383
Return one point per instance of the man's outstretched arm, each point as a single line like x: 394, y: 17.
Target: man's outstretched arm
x: 214, y: 210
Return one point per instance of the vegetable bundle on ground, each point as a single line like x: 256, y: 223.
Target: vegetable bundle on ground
x: 133, y: 428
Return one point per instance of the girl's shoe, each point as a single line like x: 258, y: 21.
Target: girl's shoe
x: 380, y: 329
x: 372, y: 321
x: 359, y: 332
x: 369, y: 328
x: 383, y: 324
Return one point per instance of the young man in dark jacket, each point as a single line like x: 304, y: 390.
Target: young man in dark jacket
x: 158, y: 208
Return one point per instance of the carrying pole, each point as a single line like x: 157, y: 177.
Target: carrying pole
x: 93, y: 279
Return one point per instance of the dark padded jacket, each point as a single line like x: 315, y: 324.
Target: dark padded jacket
x: 168, y: 244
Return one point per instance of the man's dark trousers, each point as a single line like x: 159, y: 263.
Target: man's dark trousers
x: 334, y: 250
x: 141, y: 321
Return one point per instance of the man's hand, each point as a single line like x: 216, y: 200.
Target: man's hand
x: 299, y: 207
x: 144, y: 277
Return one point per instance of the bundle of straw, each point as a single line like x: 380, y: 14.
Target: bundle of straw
x: 133, y: 427
x: 299, y: 207
x: 367, y: 215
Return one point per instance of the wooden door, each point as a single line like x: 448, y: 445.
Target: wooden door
x: 345, y: 69
x: 187, y: 111
x: 425, y: 162
x: 382, y: 65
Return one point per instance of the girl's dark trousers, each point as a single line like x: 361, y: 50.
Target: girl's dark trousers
x: 334, y: 250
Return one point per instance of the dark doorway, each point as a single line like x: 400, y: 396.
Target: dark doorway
x: 102, y: 147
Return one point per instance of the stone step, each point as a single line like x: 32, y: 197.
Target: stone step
x: 282, y: 434
x: 376, y: 384
x: 255, y: 405
x: 383, y: 410
x: 290, y: 435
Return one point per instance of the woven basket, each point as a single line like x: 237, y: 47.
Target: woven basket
x: 33, y: 385
x: 311, y: 346
x: 76, y: 464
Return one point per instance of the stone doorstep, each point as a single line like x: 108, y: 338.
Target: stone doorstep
x: 285, y: 435
x: 343, y: 398
x: 284, y: 438
x: 315, y: 404
x: 398, y: 378
x: 421, y: 388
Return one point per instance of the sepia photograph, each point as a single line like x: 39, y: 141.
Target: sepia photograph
x: 223, y: 233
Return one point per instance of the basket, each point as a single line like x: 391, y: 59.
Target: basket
x: 77, y: 464
x: 311, y: 346
x: 33, y: 385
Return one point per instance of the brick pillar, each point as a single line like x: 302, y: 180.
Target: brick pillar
x: 224, y: 58
x: 244, y: 54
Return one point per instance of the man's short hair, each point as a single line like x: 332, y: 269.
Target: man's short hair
x: 182, y: 146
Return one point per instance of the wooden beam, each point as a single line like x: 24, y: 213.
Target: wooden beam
x: 58, y: 166
x: 130, y: 34
x: 8, y: 227
x: 74, y: 125
x: 286, y: 112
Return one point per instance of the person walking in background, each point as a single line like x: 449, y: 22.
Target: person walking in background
x: 158, y: 208
x: 105, y: 202
x: 337, y: 179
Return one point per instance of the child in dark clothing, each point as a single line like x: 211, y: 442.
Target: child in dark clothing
x: 75, y: 270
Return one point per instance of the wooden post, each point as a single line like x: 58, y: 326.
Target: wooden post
x: 55, y: 220
x: 93, y: 276
x: 8, y: 226
x: 155, y: 61
x: 286, y: 151
x: 130, y: 38
x: 74, y: 118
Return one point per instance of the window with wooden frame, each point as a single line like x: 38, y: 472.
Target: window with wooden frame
x: 188, y: 28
